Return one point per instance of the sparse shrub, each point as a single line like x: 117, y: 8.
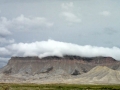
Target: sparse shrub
x: 5, y: 87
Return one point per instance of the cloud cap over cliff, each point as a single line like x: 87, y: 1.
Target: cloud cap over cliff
x: 57, y: 48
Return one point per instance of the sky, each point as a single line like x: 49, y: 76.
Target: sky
x: 57, y: 27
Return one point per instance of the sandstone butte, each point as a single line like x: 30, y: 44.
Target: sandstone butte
x: 66, y: 69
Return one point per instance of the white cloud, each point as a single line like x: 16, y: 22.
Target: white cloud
x: 70, y: 17
x: 3, y: 29
x: 6, y: 41
x: 67, y: 13
x: 51, y: 48
x: 20, y: 23
x: 31, y: 21
x: 4, y: 51
x: 105, y: 13
x: 24, y: 23
x: 4, y: 32
x: 67, y: 5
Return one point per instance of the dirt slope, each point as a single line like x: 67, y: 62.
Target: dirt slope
x: 98, y: 75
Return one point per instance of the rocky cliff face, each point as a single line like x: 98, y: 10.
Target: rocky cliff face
x: 66, y: 69
x: 72, y: 65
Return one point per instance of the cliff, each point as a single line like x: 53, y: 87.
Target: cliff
x: 73, y: 65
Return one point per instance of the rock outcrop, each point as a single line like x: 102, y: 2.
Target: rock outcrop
x: 73, y: 65
x: 61, y: 68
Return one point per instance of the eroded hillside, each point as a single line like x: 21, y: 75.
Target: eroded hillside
x: 35, y: 69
